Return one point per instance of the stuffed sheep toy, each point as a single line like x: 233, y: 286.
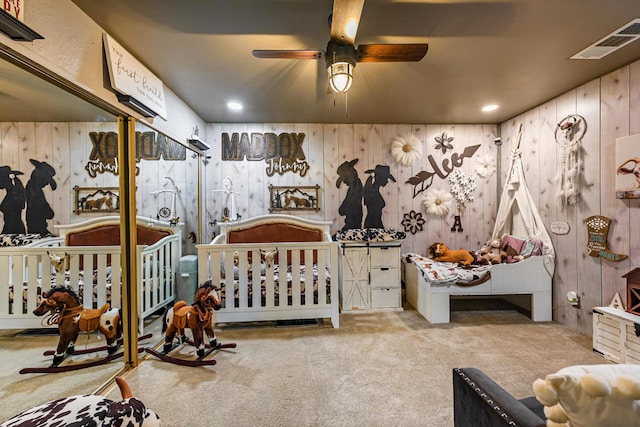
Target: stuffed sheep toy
x: 591, y: 396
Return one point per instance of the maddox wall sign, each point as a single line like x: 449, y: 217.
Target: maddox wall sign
x: 282, y: 153
x: 149, y: 146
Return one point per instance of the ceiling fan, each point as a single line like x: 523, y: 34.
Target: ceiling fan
x: 342, y: 55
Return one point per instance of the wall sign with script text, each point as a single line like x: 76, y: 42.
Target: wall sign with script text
x: 129, y: 77
x: 149, y: 146
x: 282, y: 153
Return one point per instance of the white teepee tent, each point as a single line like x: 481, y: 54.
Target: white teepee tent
x: 517, y: 213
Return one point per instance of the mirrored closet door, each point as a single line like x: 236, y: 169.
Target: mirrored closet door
x: 54, y: 172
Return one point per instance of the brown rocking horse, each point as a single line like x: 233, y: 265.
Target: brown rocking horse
x: 64, y: 309
x: 197, y: 317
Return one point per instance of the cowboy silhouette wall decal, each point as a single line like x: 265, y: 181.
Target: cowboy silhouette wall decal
x: 14, y: 201
x: 351, y: 207
x: 373, y: 200
x: 38, y: 209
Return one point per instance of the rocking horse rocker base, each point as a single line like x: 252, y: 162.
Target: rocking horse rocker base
x: 55, y: 366
x: 201, y: 360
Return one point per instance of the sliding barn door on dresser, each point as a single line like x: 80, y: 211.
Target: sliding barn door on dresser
x: 370, y: 276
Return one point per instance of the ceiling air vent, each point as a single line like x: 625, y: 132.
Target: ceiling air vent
x: 611, y: 42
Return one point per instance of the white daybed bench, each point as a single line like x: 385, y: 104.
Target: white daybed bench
x: 527, y: 277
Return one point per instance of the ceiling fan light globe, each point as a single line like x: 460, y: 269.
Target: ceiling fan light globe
x: 340, y: 76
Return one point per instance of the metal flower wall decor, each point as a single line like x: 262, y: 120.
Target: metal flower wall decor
x: 443, y: 143
x: 413, y: 222
x: 462, y: 188
x: 437, y: 202
x: 406, y: 149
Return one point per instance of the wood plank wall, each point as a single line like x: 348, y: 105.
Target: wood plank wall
x: 326, y: 146
x: 611, y: 107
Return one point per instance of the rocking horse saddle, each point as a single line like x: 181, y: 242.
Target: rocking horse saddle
x: 90, y: 318
x: 180, y: 313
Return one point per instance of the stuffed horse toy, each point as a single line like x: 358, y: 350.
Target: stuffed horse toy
x: 89, y: 410
x: 197, y: 317
x: 440, y: 252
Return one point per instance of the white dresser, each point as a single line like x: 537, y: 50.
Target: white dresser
x: 616, y: 335
x: 370, y: 276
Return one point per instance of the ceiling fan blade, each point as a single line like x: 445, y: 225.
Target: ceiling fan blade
x: 287, y: 54
x: 408, y: 52
x: 345, y: 19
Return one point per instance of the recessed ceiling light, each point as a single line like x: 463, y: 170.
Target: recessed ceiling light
x: 234, y: 106
x: 488, y: 108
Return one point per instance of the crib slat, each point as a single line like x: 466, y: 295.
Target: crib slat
x: 163, y: 274
x: 256, y: 279
x: 308, y: 277
x: 228, y: 279
x: 295, y: 276
x: 100, y: 286
x: 283, y: 282
x: 115, y: 281
x: 243, y: 277
x: 322, y: 277
x: 269, y: 285
x: 5, y: 287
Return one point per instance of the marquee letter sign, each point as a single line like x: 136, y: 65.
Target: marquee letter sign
x: 282, y: 153
x: 149, y: 146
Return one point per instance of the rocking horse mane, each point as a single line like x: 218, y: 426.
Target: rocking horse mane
x: 62, y: 288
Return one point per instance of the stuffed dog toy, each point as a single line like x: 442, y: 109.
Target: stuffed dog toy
x: 440, y: 252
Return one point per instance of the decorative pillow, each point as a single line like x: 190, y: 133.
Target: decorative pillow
x: 370, y: 235
x: 591, y: 396
x: 355, y: 234
x: 22, y: 239
x: 519, y: 248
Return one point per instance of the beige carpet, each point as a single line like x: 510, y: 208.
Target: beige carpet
x: 24, y: 349
x: 377, y: 369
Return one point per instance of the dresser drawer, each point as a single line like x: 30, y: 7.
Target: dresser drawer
x: 385, y: 298
x: 385, y: 277
x: 385, y: 256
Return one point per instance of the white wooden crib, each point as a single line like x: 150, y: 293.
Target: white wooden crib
x: 304, y: 250
x: 29, y: 271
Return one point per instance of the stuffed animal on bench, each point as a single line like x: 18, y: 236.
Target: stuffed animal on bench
x: 492, y: 253
x: 441, y: 253
x: 89, y: 410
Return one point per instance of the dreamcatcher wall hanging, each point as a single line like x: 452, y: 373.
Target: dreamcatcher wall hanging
x: 569, y: 133
x: 166, y: 201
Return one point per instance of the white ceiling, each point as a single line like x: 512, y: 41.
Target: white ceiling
x: 510, y: 52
